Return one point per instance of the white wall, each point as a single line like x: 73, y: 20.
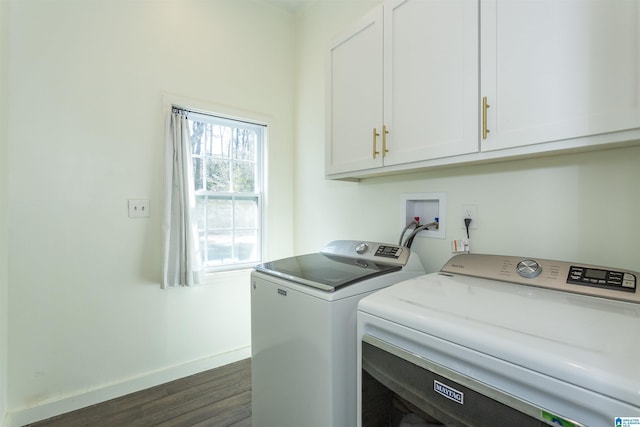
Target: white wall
x: 4, y: 306
x: 86, y: 84
x: 579, y: 207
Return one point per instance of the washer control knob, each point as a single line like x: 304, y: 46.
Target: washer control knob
x: 528, y: 268
x: 361, y: 248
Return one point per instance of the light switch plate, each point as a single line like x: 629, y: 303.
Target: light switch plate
x: 138, y: 208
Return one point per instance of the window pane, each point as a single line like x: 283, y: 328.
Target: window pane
x: 219, y: 214
x: 200, y: 213
x: 226, y: 159
x: 197, y: 173
x: 218, y: 178
x: 246, y: 245
x: 244, y: 177
x: 219, y: 247
x: 245, y: 144
x: 246, y: 214
x: 220, y: 141
x: 196, y: 130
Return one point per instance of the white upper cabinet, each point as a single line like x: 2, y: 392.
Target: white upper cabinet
x: 406, y: 93
x: 354, y: 97
x: 424, y: 83
x: 556, y: 70
x: 430, y: 79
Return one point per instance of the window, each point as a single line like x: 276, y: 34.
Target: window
x: 227, y: 177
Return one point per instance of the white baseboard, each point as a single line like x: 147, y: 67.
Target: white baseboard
x: 50, y: 409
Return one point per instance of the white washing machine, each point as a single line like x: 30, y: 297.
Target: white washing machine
x: 303, y: 330
x: 498, y: 340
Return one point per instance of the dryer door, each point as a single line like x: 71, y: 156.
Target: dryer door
x: 397, y: 384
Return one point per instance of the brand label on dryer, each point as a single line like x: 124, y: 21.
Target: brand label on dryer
x: 448, y: 392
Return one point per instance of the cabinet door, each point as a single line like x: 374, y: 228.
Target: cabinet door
x: 354, y: 97
x: 554, y: 70
x: 431, y: 79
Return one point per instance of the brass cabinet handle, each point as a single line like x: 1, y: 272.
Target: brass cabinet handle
x: 375, y: 135
x: 384, y: 140
x: 485, y: 106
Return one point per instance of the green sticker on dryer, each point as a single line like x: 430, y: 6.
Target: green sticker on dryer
x: 556, y: 420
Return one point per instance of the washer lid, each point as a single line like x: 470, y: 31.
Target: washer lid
x: 324, y: 271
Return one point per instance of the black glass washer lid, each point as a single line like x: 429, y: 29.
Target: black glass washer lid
x: 323, y: 271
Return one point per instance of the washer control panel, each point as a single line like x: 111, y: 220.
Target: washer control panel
x: 543, y: 273
x: 369, y: 251
x: 608, y: 279
x: 387, y: 251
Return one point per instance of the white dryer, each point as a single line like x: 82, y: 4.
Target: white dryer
x: 303, y: 330
x: 499, y: 340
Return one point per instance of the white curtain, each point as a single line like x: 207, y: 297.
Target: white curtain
x: 181, y: 264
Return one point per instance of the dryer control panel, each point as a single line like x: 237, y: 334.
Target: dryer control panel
x: 558, y: 275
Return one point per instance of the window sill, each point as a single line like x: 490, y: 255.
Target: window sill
x: 214, y: 278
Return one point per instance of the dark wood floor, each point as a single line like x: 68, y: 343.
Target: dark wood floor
x: 219, y: 397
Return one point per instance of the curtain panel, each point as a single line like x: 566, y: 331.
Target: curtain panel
x: 181, y: 263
